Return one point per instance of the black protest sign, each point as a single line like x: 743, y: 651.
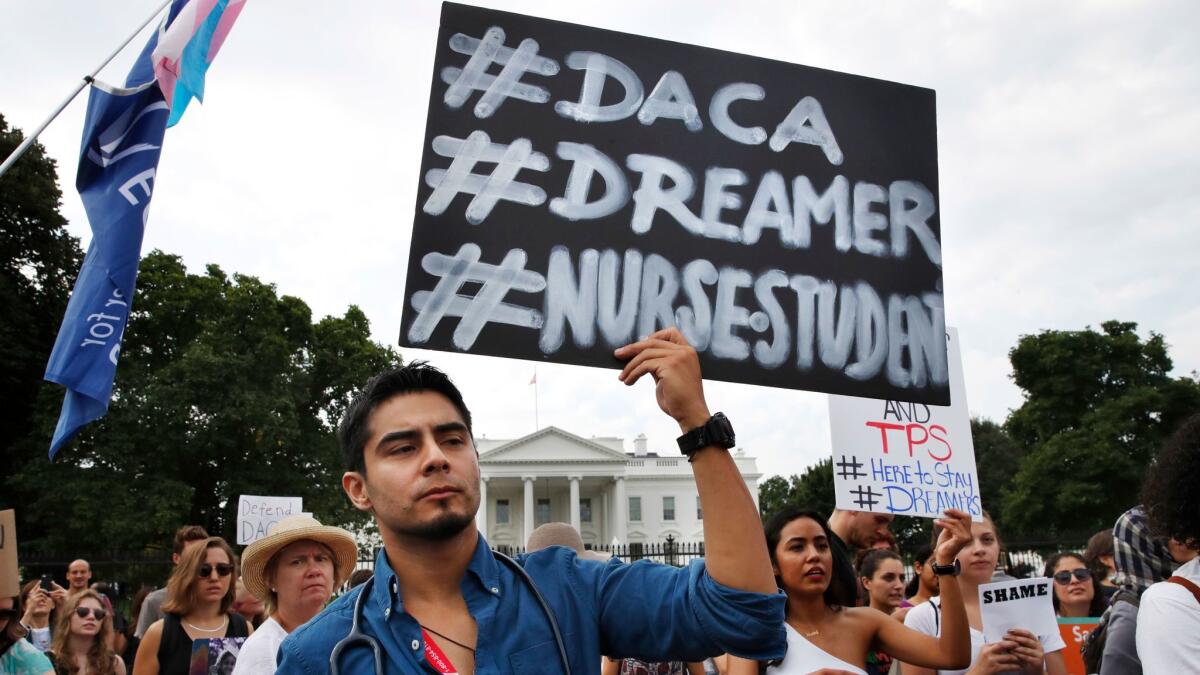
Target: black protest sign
x: 582, y: 187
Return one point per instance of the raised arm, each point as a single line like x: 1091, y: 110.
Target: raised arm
x: 735, y: 548
x: 952, y: 649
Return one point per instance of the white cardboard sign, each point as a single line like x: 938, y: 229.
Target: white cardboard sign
x: 907, y: 459
x: 257, y: 514
x: 1021, y: 603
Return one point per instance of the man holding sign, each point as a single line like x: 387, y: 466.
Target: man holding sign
x: 440, y: 596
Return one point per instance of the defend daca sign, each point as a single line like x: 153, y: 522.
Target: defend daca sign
x: 582, y: 187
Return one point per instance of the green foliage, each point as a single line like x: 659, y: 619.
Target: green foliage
x: 997, y: 458
x: 38, y: 264
x: 813, y: 491
x: 1098, y: 405
x: 224, y: 388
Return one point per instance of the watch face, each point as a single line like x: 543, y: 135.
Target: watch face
x: 723, y: 429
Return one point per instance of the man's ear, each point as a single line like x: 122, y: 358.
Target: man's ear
x: 355, y: 487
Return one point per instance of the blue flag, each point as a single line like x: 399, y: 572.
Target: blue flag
x: 122, y: 138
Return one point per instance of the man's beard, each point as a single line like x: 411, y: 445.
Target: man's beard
x: 441, y: 528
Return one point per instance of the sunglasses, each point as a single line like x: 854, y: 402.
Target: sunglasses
x: 206, y: 570
x: 1080, y: 574
x: 83, y: 612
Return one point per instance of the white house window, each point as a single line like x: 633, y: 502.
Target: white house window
x: 668, y: 508
x: 543, y: 511
x: 501, y: 511
x: 635, y: 509
x: 585, y: 510
x: 699, y: 513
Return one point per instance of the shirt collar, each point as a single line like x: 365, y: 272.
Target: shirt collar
x: 483, y: 567
x: 385, y: 588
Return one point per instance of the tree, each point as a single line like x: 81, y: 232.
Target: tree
x: 1097, y: 407
x: 997, y: 459
x: 38, y: 264
x: 812, y: 491
x: 224, y: 388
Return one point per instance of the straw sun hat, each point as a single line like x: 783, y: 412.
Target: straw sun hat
x: 258, y: 555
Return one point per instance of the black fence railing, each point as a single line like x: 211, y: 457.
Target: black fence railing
x: 669, y: 551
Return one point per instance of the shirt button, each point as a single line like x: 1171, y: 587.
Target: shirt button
x: 416, y: 645
x: 495, y: 590
x: 387, y: 611
x: 393, y: 587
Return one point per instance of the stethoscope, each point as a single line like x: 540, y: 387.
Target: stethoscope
x: 356, y: 636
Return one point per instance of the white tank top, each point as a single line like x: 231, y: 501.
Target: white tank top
x: 804, y: 657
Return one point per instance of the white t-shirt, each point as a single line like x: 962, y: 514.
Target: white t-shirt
x: 804, y: 657
x: 1168, y: 628
x: 926, y: 618
x: 258, y: 654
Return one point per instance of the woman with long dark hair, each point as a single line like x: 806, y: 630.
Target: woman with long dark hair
x: 924, y: 584
x: 83, y: 638
x: 825, y: 629
x: 1077, y: 591
x: 199, y: 594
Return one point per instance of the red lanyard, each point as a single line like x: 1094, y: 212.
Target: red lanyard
x: 436, y: 657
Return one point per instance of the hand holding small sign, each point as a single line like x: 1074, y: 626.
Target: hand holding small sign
x: 1027, y: 649
x: 955, y: 535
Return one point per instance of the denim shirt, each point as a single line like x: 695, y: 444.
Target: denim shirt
x: 643, y: 610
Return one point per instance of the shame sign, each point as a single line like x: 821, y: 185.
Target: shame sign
x: 1015, y: 593
x: 1019, y: 603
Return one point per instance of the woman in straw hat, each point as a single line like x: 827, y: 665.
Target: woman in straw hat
x: 294, y: 570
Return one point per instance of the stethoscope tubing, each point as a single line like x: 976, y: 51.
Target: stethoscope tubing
x: 356, y: 635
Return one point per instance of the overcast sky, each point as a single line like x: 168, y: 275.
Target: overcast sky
x: 1068, y: 138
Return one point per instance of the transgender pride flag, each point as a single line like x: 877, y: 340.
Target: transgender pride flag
x: 187, y: 47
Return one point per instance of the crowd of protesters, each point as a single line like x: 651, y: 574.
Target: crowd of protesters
x: 824, y: 595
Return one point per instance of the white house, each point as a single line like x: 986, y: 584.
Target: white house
x: 606, y: 493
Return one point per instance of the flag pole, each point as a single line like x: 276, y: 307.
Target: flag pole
x: 87, y: 79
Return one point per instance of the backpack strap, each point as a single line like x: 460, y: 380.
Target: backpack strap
x: 1186, y: 583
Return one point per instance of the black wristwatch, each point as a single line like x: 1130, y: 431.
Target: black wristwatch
x: 716, y: 431
x: 947, y: 570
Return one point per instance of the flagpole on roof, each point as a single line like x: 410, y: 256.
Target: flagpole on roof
x: 87, y: 79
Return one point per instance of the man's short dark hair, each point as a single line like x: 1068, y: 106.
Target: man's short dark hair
x: 186, y: 534
x: 415, y: 377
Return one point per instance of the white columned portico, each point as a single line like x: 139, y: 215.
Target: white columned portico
x: 481, y: 516
x: 620, y: 510
x: 575, y: 501
x: 528, y: 509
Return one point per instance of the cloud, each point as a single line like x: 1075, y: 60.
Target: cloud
x: 1068, y: 138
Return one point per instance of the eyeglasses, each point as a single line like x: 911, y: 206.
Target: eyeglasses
x: 83, y: 612
x: 206, y: 570
x: 1064, y: 577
